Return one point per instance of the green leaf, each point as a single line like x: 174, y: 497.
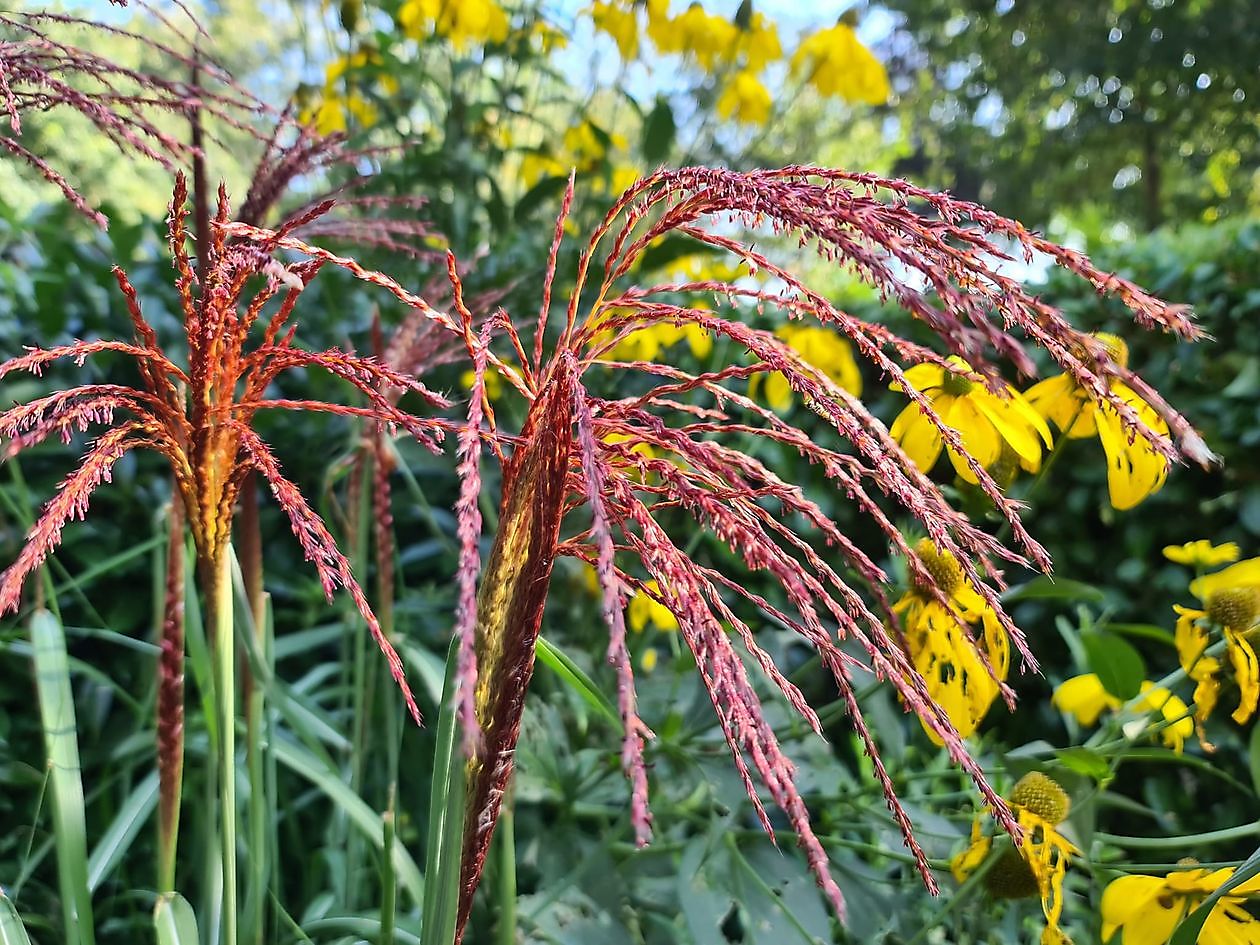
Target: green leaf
x: 56, y: 708
x: 1086, y: 762
x: 1043, y: 587
x: 12, y: 932
x: 446, y: 821
x: 329, y: 780
x: 1187, y: 932
x: 174, y: 920
x: 117, y: 840
x: 658, y: 132
x: 575, y: 678
x: 1118, y: 665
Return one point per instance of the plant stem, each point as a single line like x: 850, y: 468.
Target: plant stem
x: 507, y: 877
x: 170, y: 722
x: 220, y: 600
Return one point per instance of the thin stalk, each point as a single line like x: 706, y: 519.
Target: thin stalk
x: 389, y: 891
x: 506, y: 931
x: 220, y: 600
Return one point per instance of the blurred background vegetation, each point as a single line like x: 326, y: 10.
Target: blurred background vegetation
x: 1128, y: 128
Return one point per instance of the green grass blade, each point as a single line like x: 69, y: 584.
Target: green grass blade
x: 446, y: 822
x: 12, y: 932
x: 389, y: 885
x: 174, y: 920
x: 329, y: 780
x: 570, y: 673
x: 56, y: 705
x: 117, y: 840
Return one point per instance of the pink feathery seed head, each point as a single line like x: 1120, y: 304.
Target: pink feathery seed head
x: 665, y: 450
x: 468, y: 516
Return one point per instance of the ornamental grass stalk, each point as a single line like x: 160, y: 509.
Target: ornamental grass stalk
x: 610, y: 481
x: 199, y: 416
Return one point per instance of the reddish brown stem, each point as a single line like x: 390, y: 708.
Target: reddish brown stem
x: 170, y: 707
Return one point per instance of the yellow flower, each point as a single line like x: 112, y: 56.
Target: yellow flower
x: 760, y: 42
x: 1202, y: 553
x: 837, y: 64
x: 1084, y: 697
x: 1135, y: 469
x: 824, y: 349
x: 461, y: 21
x: 619, y: 23
x: 942, y: 645
x: 1148, y: 908
x: 1243, y: 574
x: 1175, y: 712
x: 694, y: 32
x: 983, y: 419
x: 1231, y: 600
x: 1038, y: 864
x: 649, y: 659
x: 644, y: 610
x: 646, y: 343
x: 745, y: 99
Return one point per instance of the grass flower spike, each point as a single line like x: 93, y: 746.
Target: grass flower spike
x: 199, y: 417
x: 625, y: 483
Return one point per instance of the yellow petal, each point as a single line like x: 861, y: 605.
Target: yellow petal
x: 1243, y: 574
x: 1246, y: 674
x: 979, y: 438
x: 1130, y: 902
x: 1134, y: 470
x: 1084, y: 697
x: 1060, y: 401
x: 917, y: 436
x: 923, y: 377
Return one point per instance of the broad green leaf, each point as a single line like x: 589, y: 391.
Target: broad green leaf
x: 1118, y: 665
x: 545, y: 190
x: 56, y: 708
x: 1043, y: 587
x: 1086, y: 762
x: 174, y: 921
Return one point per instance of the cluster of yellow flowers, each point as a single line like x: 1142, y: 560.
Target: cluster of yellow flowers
x: 1007, y: 431
x: 1229, y: 613
x: 738, y: 51
x: 464, y: 22
x: 599, y: 157
x: 1145, y: 910
x: 342, y: 98
x: 818, y: 346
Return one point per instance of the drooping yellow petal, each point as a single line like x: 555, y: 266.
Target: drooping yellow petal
x: 1016, y: 422
x: 1124, y: 899
x: 979, y: 437
x: 1175, y: 712
x: 918, y: 436
x: 1135, y: 469
x: 1060, y: 401
x: 1246, y: 674
x: 923, y: 377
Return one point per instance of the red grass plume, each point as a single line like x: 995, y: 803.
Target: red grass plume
x: 604, y: 479
x: 199, y: 416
